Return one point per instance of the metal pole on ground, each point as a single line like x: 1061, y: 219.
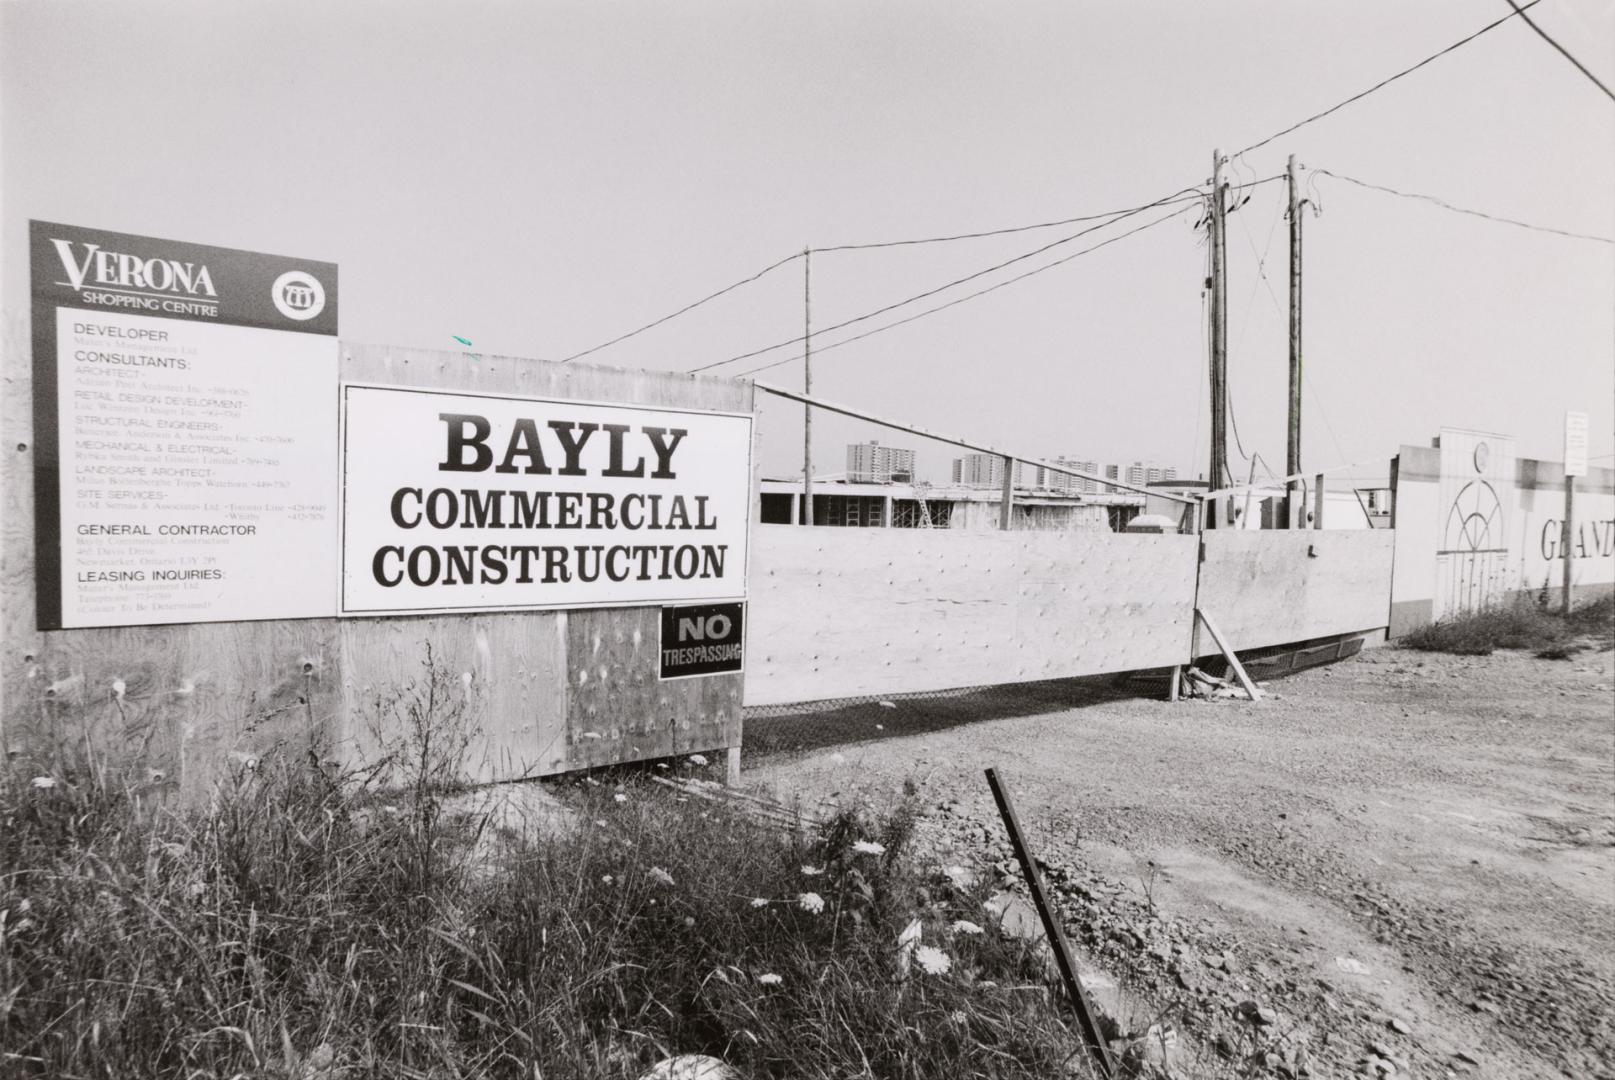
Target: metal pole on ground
x: 1052, y: 928
x: 1569, y: 534
x: 1006, y: 507
x: 1575, y: 465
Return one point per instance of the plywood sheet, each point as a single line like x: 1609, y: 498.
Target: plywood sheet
x: 1274, y: 587
x: 844, y: 612
x: 617, y: 707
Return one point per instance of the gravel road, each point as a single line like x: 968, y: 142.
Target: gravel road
x: 1403, y: 864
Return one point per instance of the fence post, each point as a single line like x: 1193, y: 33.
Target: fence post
x: 1317, y: 502
x: 1006, y: 511
x: 1396, y: 482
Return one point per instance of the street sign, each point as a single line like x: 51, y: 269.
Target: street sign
x: 1575, y: 444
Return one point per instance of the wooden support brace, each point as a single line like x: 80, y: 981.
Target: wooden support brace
x: 731, y: 767
x: 1228, y: 654
x: 1174, y: 682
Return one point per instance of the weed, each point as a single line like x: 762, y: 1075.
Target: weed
x: 307, y: 925
x: 1520, y: 625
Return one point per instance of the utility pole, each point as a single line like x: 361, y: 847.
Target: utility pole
x: 807, y: 386
x: 1219, y: 340
x: 1292, y: 457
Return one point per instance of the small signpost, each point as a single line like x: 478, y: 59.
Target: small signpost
x: 1575, y: 465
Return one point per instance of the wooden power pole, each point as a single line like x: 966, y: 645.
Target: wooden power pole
x: 807, y: 386
x: 1219, y: 340
x: 1292, y: 456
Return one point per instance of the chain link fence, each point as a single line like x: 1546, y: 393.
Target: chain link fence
x: 804, y: 726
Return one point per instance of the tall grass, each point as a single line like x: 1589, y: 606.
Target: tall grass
x: 308, y: 926
x: 1520, y: 625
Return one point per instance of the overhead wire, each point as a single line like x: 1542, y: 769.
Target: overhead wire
x: 1386, y: 82
x: 1122, y: 216
x: 686, y: 308
x: 1445, y: 205
x: 986, y: 233
x: 1007, y: 231
x: 1543, y: 34
x: 818, y: 349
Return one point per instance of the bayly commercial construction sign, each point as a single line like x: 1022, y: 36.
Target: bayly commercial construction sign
x: 463, y: 502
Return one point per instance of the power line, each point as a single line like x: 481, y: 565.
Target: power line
x: 1386, y: 82
x: 944, y: 287
x: 853, y: 247
x: 1518, y: 10
x: 684, y: 309
x: 1463, y: 210
x: 990, y: 232
x: 819, y: 349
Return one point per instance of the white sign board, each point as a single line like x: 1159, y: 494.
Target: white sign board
x: 1575, y: 444
x: 469, y: 502
x: 185, y: 430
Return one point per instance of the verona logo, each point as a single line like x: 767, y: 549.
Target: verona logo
x: 298, y: 295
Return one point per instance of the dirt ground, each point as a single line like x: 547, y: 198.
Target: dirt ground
x: 1407, y: 860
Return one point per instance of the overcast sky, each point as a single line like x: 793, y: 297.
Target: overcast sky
x: 540, y: 177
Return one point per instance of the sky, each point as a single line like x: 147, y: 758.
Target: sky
x: 540, y: 177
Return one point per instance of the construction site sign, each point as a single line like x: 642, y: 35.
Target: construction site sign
x: 184, y: 431
x: 478, y: 502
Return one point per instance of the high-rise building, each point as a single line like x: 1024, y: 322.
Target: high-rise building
x: 872, y: 463
x: 983, y: 471
x: 1066, y: 483
x: 1142, y: 473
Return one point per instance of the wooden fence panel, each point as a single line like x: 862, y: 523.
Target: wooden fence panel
x: 1273, y: 587
x: 846, y: 612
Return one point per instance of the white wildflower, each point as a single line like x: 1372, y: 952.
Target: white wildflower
x: 619, y: 797
x: 812, y: 871
x: 958, y: 1016
x: 759, y: 903
x: 810, y: 902
x: 770, y: 979
x: 965, y: 926
x: 868, y: 847
x: 657, y: 874
x: 606, y: 879
x: 932, y: 960
x: 698, y: 759
x: 44, y: 782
